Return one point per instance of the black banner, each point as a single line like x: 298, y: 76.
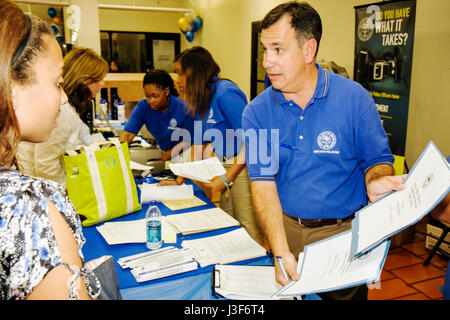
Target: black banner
x: 384, y: 41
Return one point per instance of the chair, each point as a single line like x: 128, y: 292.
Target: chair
x: 441, y: 214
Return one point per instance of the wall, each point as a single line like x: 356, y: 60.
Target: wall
x: 89, y: 31
x: 143, y: 21
x: 227, y: 34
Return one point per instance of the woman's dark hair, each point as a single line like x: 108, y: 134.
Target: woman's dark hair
x: 304, y: 19
x: 178, y: 56
x: 201, y: 71
x: 161, y: 79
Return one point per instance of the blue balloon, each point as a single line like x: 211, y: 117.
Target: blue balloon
x: 197, y: 23
x: 52, y: 12
x: 189, y: 36
x: 60, y: 39
x: 54, y: 29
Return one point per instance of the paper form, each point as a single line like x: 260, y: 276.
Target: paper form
x: 202, y: 220
x: 153, y: 192
x: 326, y: 266
x: 134, y: 232
x: 232, y: 246
x: 426, y: 185
x: 203, y: 170
x: 175, y: 205
x: 159, y: 263
x: 245, y: 282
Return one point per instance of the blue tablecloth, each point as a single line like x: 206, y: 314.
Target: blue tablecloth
x: 192, y: 285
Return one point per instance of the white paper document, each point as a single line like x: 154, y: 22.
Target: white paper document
x: 203, y: 170
x: 153, y: 192
x: 138, y: 166
x: 232, y: 246
x: 120, y: 232
x: 245, y: 282
x: 159, y: 263
x: 202, y: 220
x: 326, y: 266
x: 426, y: 185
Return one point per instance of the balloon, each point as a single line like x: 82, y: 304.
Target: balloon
x: 197, y: 23
x: 183, y: 23
x: 54, y: 29
x: 52, y: 12
x: 194, y: 27
x: 190, y: 36
x: 56, y: 20
x: 60, y: 39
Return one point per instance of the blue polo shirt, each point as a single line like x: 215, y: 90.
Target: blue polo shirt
x: 222, y: 124
x: 318, y: 157
x: 162, y: 125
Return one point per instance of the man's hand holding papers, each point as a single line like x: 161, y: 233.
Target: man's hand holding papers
x: 426, y: 185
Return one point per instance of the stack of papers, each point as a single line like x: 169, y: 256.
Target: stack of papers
x: 159, y: 263
x: 203, y: 170
x: 175, y: 205
x: 153, y: 192
x: 245, y: 282
x: 201, y: 221
x: 120, y: 232
x: 232, y: 246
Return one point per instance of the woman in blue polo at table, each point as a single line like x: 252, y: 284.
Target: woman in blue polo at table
x: 163, y: 114
x: 217, y: 105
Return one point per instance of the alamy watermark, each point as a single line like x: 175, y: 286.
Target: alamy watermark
x: 262, y: 146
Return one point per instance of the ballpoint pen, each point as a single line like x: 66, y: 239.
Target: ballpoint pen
x: 283, y: 270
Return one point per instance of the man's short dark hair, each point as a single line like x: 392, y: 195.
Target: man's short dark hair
x: 304, y: 19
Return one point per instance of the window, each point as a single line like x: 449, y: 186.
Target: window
x: 137, y: 52
x: 257, y: 70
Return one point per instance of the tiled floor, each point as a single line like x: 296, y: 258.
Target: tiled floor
x: 405, y: 278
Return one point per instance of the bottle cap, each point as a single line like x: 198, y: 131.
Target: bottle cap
x: 102, y: 101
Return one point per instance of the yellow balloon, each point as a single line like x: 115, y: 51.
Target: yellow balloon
x: 56, y: 20
x: 183, y: 23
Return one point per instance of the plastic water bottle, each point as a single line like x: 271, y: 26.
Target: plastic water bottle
x: 153, y: 226
x: 102, y: 114
x: 114, y: 101
x: 121, y: 112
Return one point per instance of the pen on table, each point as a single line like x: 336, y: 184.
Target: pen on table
x: 283, y: 270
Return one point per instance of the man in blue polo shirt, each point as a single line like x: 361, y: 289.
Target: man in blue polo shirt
x: 163, y: 113
x: 328, y: 152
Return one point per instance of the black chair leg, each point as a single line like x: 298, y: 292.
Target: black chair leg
x: 437, y: 245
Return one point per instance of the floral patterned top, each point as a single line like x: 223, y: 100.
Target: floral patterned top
x: 28, y: 248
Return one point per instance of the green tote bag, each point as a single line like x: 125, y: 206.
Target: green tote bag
x: 100, y: 182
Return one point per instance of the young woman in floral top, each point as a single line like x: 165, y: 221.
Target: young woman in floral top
x: 40, y: 232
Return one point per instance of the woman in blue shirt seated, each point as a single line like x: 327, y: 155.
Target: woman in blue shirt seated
x: 217, y: 105
x: 163, y: 113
